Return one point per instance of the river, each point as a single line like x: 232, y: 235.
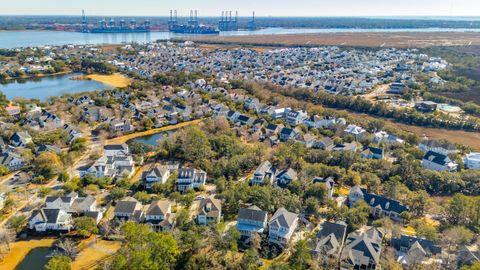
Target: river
x: 14, y: 39
x: 44, y: 87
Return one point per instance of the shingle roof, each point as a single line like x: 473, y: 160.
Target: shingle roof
x: 158, y: 208
x: 252, y: 213
x: 283, y: 218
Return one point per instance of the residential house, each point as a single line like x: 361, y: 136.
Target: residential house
x: 72, y: 133
x: 345, y: 147
x: 329, y: 183
x: 47, y: 148
x: 13, y: 110
x: 472, y: 161
x: 159, y: 216
x: 309, y: 140
x: 316, y: 121
x: 329, y: 240
x: 120, y: 126
x: 265, y: 173
x: 209, y: 212
x: 281, y: 227
x: 189, y: 178
x: 295, y: 118
x: 285, y: 177
x: 272, y: 129
x: 426, y: 106
x: 373, y: 153
x: 73, y: 204
x: 129, y: 209
x: 438, y: 162
x: 362, y: 250
x: 50, y: 220
x: 251, y: 220
x: 115, y: 162
x: 397, y: 88
x: 157, y: 174
x: 412, y: 250
x: 21, y: 139
x: 467, y: 255
x: 287, y: 134
x: 324, y: 143
x: 356, y: 131
x: 383, y: 136
x: 11, y: 160
x: 440, y: 147
x: 381, y: 206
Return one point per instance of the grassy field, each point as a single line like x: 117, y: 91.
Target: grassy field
x: 471, y: 139
x: 115, y: 80
x: 20, y: 249
x: 92, y: 255
x: 394, y: 39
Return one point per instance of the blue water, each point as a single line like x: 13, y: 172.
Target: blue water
x: 151, y: 139
x: 35, y: 259
x: 14, y: 39
x: 42, y: 88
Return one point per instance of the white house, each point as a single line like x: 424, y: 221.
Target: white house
x: 281, y: 227
x: 50, y: 220
x: 11, y: 161
x: 356, y: 131
x: 295, y: 118
x: 157, y: 174
x: 265, y: 173
x: 472, y: 161
x: 115, y: 162
x: 189, y: 178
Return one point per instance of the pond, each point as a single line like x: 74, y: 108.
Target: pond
x: 35, y: 259
x: 44, y: 87
x: 152, y: 139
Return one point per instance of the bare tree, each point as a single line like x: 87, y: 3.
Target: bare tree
x: 7, y: 236
x: 69, y: 248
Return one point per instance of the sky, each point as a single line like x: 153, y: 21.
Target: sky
x: 245, y: 7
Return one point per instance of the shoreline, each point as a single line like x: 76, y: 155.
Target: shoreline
x: 20, y: 249
x: 116, y: 80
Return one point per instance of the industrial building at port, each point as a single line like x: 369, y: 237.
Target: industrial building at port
x: 189, y: 26
x: 112, y: 27
x: 193, y: 26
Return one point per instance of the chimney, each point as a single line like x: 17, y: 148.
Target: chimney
x: 230, y: 15
x: 236, y: 16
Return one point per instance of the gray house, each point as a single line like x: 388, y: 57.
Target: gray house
x: 362, y: 250
x: 329, y: 240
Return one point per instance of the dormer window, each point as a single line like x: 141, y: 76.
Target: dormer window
x: 387, y: 205
x: 372, y: 201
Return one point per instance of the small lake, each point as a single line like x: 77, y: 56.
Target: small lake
x: 152, y: 139
x: 44, y: 87
x: 35, y: 259
x: 14, y: 39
